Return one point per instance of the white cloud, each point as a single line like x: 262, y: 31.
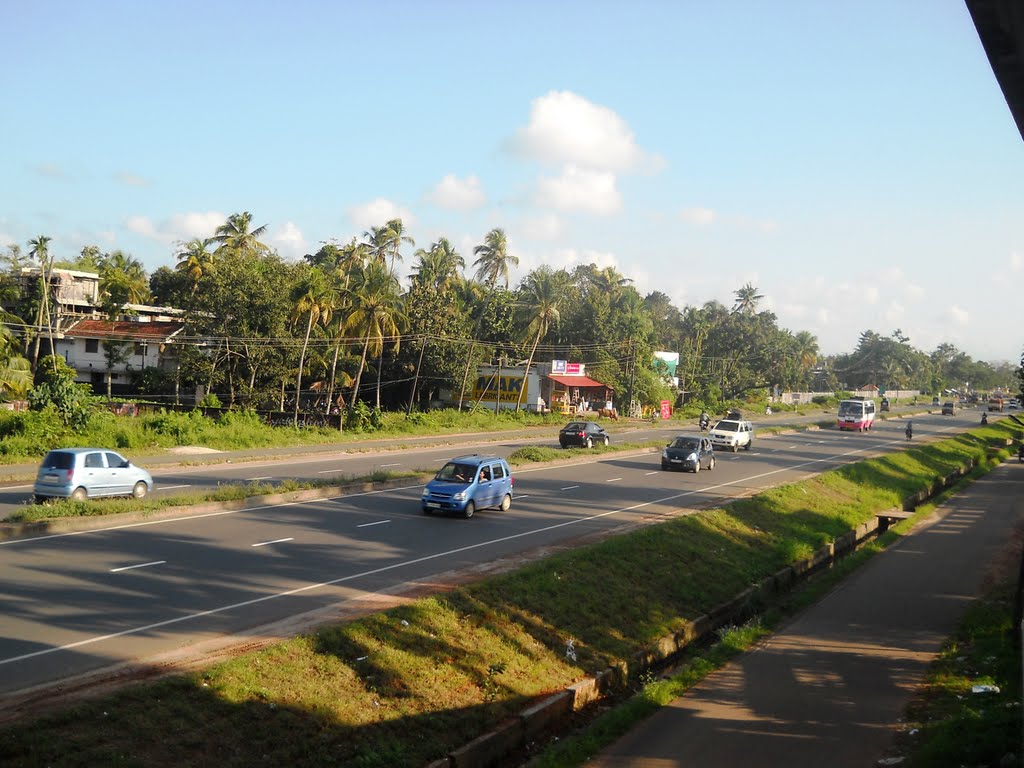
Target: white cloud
x: 913, y: 290
x: 958, y: 315
x: 698, y: 215
x: 6, y: 240
x: 288, y: 240
x: 894, y: 313
x: 565, y: 128
x: 546, y: 227
x: 181, y: 227
x: 377, y: 213
x: 1016, y: 262
x: 457, y: 194
x: 131, y: 180
x: 871, y: 294
x: 579, y: 189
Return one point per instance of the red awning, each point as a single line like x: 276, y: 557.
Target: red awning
x: 578, y: 381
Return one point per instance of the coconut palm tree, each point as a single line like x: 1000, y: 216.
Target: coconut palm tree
x: 806, y: 350
x: 123, y: 279
x: 41, y: 253
x: 385, y: 243
x: 195, y: 260
x: 315, y: 298
x: 492, y: 263
x: 439, y: 267
x: 375, y: 315
x: 539, y: 300
x: 747, y: 299
x: 234, y: 236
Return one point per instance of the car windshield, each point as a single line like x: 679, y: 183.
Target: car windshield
x: 454, y: 472
x: 851, y: 409
x: 686, y: 443
x: 728, y: 426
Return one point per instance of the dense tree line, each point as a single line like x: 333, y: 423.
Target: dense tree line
x: 338, y: 327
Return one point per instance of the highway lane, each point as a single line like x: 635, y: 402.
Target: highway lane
x: 82, y: 602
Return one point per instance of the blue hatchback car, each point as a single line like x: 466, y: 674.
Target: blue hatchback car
x: 468, y: 483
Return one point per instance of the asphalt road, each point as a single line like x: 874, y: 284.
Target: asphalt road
x: 831, y: 687
x: 141, y: 593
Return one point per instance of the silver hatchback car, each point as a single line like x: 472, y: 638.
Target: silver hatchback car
x: 87, y: 473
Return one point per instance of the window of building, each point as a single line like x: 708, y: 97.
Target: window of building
x: 92, y: 345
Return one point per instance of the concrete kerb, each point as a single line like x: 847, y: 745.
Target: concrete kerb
x: 536, y: 719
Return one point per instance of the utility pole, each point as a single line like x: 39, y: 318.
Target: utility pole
x: 632, y: 373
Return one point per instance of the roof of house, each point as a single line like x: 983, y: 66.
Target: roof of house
x: 123, y: 329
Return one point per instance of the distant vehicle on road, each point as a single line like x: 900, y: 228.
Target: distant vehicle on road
x: 690, y: 452
x: 88, y: 473
x: 948, y: 408
x: 468, y: 483
x: 856, y: 414
x: 884, y: 405
x: 583, y: 434
x: 732, y: 434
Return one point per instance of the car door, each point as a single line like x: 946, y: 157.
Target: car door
x: 485, y: 486
x: 501, y: 483
x: 120, y: 480
x: 96, y: 476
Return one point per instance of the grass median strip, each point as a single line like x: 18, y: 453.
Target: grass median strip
x: 404, y: 686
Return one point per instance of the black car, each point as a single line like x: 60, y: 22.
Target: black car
x: 691, y: 452
x: 583, y: 434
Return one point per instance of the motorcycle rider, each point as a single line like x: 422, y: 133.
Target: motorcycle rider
x: 984, y: 419
x: 704, y: 421
x: 910, y: 430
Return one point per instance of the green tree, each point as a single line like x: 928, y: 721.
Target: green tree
x: 313, y: 298
x: 747, y: 299
x: 195, y: 260
x: 41, y: 253
x: 375, y: 316
x: 236, y: 237
x: 539, y: 298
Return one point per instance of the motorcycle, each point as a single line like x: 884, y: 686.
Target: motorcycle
x: 910, y: 432
x: 704, y: 423
x: 984, y: 419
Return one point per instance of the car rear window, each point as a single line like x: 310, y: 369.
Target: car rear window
x: 59, y: 460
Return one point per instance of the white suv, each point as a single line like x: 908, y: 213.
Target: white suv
x: 732, y: 434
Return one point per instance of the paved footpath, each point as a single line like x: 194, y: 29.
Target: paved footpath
x: 831, y: 686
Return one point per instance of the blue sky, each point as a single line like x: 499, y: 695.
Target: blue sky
x: 854, y: 161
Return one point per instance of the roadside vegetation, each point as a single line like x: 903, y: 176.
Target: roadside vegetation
x: 404, y: 686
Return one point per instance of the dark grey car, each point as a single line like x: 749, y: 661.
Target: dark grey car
x: 583, y: 434
x: 690, y: 452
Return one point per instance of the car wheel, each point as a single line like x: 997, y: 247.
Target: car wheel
x: 711, y: 464
x: 79, y: 494
x: 506, y: 502
x: 696, y: 467
x: 607, y: 441
x: 735, y: 448
x: 40, y: 499
x: 590, y: 443
x: 140, y: 490
x: 426, y: 511
x: 469, y: 510
x: 664, y: 465
x: 749, y: 443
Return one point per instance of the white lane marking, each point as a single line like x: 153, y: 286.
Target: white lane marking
x: 275, y: 541
x: 652, y: 473
x: 522, y: 496
x: 140, y: 565
x: 170, y: 487
x: 392, y: 464
x: 415, y: 561
x: 613, y: 479
x: 327, y: 471
x: 254, y: 479
x: 570, y: 487
x: 367, y: 525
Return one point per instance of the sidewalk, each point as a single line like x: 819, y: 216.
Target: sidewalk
x: 830, y: 688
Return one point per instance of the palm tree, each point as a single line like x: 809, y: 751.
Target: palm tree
x: 493, y: 259
x: 493, y: 262
x: 315, y: 298
x: 806, y: 350
x: 439, y: 267
x: 540, y: 297
x: 747, y: 299
x: 375, y: 315
x: 15, y: 370
x: 195, y: 260
x: 123, y: 279
x: 384, y: 243
x: 235, y: 237
x: 40, y: 252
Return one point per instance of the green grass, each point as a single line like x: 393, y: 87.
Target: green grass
x: 401, y: 687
